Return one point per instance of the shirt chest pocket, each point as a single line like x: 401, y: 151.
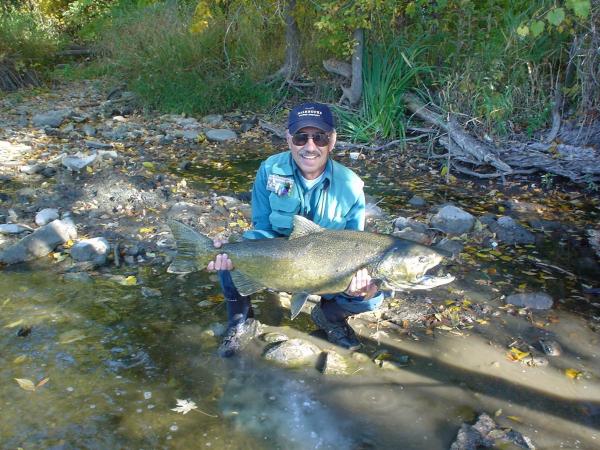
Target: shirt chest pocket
x: 282, y: 211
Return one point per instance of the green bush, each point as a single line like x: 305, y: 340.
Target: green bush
x: 176, y: 70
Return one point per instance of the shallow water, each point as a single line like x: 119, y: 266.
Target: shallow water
x: 116, y: 361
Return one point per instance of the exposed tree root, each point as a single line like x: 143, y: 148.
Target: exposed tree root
x: 12, y: 79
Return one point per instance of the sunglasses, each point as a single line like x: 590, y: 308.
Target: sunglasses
x: 320, y: 139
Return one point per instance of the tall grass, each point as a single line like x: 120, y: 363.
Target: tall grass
x: 176, y: 70
x: 388, y: 73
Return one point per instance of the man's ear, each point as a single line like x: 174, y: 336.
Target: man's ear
x: 332, y: 140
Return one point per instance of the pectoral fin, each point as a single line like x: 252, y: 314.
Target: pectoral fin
x: 298, y: 301
x: 244, y: 284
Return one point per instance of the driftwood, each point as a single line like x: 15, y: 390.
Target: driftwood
x: 466, y: 154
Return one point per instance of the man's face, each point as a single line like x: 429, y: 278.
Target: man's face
x: 310, y: 157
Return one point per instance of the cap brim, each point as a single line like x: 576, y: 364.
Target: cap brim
x: 308, y: 122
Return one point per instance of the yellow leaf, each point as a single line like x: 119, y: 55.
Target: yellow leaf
x: 517, y: 355
x: 148, y: 165
x: 20, y: 359
x: 68, y: 244
x: 14, y: 324
x: 506, y: 258
x: 573, y: 374
x: 88, y: 169
x: 515, y: 418
x: 25, y: 384
x: 146, y: 230
x: 130, y: 281
x: 42, y: 382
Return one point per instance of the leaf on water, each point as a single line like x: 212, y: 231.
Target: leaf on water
x: 573, y: 374
x: 25, y: 384
x: 14, y: 324
x: 515, y: 419
x: 20, y: 359
x: 88, y: 169
x: 71, y: 336
x: 517, y: 355
x: 129, y: 281
x: 148, y: 165
x: 146, y: 230
x: 42, y: 382
x: 184, y: 406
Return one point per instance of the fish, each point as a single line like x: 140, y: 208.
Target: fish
x: 312, y: 261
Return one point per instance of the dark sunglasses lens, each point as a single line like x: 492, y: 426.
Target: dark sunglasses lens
x: 300, y: 139
x: 320, y: 139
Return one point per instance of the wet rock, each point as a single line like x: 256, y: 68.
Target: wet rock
x: 94, y: 250
x: 417, y: 202
x: 533, y: 300
x: 52, y: 119
x: 485, y: 433
x: 546, y: 225
x: 332, y: 363
x: 402, y: 223
x: 149, y: 292
x: 411, y: 310
x: 212, y: 120
x: 594, y: 240
x: 373, y: 211
x: 79, y: 277
x: 389, y: 361
x: 293, y: 353
x: 453, y: 220
x: 41, y: 242
x: 220, y: 135
x: 450, y: 246
x: 98, y: 145
x: 272, y: 338
x: 14, y: 228
x: 78, y: 161
x: 510, y: 232
x: 46, y: 216
x: 89, y: 130
x: 248, y: 124
x: 410, y: 235
x: 31, y: 169
x: 48, y: 172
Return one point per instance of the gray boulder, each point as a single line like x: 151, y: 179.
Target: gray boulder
x: 293, y: 353
x: 46, y: 216
x: 94, y: 250
x: 533, y: 300
x: 453, y: 220
x: 212, y: 120
x: 220, y: 135
x: 52, y: 119
x: 510, y: 232
x: 39, y: 243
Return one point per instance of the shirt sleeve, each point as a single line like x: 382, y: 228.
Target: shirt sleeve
x: 261, y: 208
x: 355, y: 219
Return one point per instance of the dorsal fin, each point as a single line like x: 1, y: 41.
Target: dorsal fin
x: 304, y: 227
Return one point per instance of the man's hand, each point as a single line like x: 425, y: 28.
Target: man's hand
x: 222, y: 261
x: 362, y: 285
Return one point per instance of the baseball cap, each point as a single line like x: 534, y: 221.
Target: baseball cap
x: 311, y: 114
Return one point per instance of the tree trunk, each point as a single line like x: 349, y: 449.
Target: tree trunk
x: 352, y: 94
x: 290, y: 67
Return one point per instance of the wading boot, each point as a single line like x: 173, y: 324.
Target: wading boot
x: 339, y: 333
x: 238, y: 336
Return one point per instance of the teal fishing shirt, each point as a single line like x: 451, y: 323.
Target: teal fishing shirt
x: 336, y: 202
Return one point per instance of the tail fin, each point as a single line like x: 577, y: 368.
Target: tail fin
x: 194, y: 251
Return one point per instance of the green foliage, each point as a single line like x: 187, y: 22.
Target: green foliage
x: 177, y: 70
x: 388, y: 73
x: 27, y: 36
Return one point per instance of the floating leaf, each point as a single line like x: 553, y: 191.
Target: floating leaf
x: 515, y: 419
x: 184, y: 406
x: 71, y: 336
x: 148, y: 165
x: 517, y: 355
x: 573, y: 374
x: 25, y: 384
x: 42, y: 382
x: 129, y: 281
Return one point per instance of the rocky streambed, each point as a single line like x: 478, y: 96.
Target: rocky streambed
x: 86, y: 184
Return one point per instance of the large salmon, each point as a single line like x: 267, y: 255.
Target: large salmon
x: 313, y: 260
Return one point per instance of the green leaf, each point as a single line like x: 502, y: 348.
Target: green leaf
x: 444, y: 171
x: 537, y: 28
x: 581, y: 8
x: 523, y: 30
x: 556, y: 16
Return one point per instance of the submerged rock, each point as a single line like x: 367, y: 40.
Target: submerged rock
x: 485, y: 433
x: 533, y: 300
x: 93, y: 250
x: 293, y: 353
x: 510, y: 232
x: 333, y: 363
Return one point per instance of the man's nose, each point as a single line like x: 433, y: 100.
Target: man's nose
x: 310, y: 144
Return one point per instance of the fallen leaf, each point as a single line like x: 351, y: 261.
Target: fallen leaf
x: 130, y: 281
x: 25, y: 384
x: 515, y: 418
x: 184, y: 406
x: 42, y: 382
x: 573, y: 374
x: 71, y: 336
x: 517, y: 355
x: 14, y: 324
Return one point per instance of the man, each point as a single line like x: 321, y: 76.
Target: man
x: 304, y: 181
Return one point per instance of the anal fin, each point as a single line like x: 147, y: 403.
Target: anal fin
x: 244, y: 284
x: 297, y: 302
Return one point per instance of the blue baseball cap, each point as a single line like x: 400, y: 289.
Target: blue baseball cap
x: 311, y: 114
